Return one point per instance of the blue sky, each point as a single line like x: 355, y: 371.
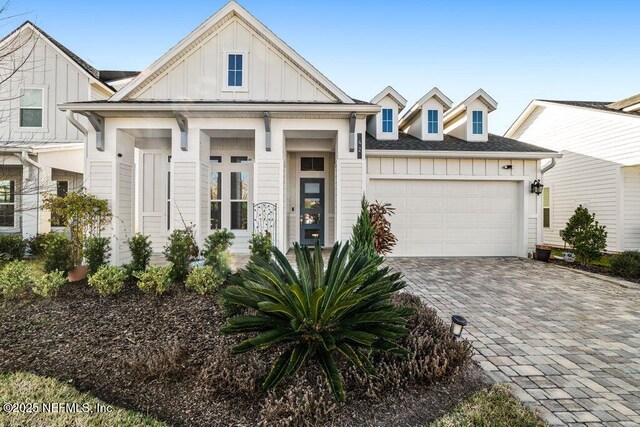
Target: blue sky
x: 515, y: 50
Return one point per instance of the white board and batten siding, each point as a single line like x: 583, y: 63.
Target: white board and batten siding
x: 457, y: 207
x: 349, y: 181
x: 597, y: 148
x: 199, y: 73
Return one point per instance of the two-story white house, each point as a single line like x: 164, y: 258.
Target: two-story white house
x: 600, y: 166
x: 40, y: 150
x: 232, y: 128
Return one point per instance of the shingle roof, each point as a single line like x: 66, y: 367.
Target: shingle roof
x: 110, y: 75
x: 495, y: 143
x: 595, y: 105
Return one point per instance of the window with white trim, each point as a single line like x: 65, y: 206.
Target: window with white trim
x: 215, y: 184
x: 230, y: 192
x: 477, y: 122
x: 235, y: 71
x: 432, y: 121
x: 7, y: 203
x: 31, y: 107
x: 546, y: 207
x: 387, y: 120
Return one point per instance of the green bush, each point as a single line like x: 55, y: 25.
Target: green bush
x: 97, y: 251
x: 260, y: 245
x: 316, y: 313
x: 140, y: 247
x: 585, y: 235
x: 179, y: 252
x: 215, y: 252
x: 154, y: 279
x: 38, y: 244
x: 364, y: 233
x: 48, y: 285
x: 13, y: 246
x: 626, y: 264
x: 57, y: 254
x: 15, y: 279
x: 108, y: 280
x: 204, y: 280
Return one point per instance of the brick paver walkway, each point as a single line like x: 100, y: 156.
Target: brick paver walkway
x: 567, y: 344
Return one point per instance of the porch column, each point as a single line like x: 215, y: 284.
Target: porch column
x: 268, y: 175
x: 36, y: 182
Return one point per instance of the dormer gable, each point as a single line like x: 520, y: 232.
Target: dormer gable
x: 469, y: 119
x: 424, y: 118
x: 384, y: 125
x: 232, y: 57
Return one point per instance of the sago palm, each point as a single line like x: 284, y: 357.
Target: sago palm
x: 316, y: 313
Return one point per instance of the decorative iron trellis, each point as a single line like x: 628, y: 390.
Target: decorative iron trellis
x: 265, y: 220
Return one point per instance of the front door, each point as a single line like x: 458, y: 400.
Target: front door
x: 311, y: 211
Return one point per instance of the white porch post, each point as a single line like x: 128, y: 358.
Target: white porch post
x: 35, y: 183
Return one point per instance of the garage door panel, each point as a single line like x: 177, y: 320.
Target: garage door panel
x: 451, y: 218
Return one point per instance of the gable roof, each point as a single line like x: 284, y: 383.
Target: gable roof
x: 481, y: 95
x: 230, y: 10
x: 90, y: 71
x: 393, y: 94
x: 433, y: 93
x: 591, y: 105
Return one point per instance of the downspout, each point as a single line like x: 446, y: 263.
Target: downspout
x: 549, y: 166
x: 24, y: 158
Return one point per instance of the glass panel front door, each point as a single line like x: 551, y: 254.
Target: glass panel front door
x: 311, y: 211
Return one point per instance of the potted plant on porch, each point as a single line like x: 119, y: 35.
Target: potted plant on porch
x: 85, y: 216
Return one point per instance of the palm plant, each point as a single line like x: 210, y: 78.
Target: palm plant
x: 316, y: 313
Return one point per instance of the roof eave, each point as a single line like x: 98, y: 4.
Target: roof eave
x: 524, y: 155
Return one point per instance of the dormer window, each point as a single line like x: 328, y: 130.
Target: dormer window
x: 432, y: 121
x: 235, y: 67
x: 477, y: 122
x: 387, y: 120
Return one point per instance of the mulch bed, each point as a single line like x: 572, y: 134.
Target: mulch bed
x: 104, y: 346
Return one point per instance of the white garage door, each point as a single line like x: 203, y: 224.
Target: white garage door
x: 451, y: 218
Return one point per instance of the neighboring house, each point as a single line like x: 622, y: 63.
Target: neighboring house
x: 40, y: 150
x: 600, y: 167
x: 232, y: 128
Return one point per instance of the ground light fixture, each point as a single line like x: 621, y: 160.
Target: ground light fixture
x: 457, y: 325
x: 536, y: 187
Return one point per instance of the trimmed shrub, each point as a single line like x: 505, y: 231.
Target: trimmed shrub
x: 179, y: 252
x: 57, y: 254
x: 108, y: 280
x: 15, y: 279
x: 97, y: 252
x: 363, y: 232
x: 316, y: 314
x: 13, y: 246
x: 48, y: 285
x: 37, y: 244
x: 260, y: 245
x: 215, y: 252
x: 140, y: 247
x: 626, y: 264
x: 154, y: 279
x: 204, y: 280
x: 585, y: 235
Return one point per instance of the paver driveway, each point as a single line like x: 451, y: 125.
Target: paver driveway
x: 568, y: 344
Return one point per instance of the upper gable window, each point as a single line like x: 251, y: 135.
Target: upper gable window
x: 387, y: 120
x: 477, y: 123
x: 235, y: 70
x: 31, y: 106
x: 432, y: 121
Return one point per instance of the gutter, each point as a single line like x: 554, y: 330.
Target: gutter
x: 462, y: 154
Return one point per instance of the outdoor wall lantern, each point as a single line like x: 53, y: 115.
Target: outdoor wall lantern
x: 536, y: 187
x: 457, y: 325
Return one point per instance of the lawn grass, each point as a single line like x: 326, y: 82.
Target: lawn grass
x: 605, y: 261
x: 31, y: 389
x: 494, y: 407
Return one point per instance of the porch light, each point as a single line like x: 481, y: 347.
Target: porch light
x: 536, y: 187
x: 457, y: 325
